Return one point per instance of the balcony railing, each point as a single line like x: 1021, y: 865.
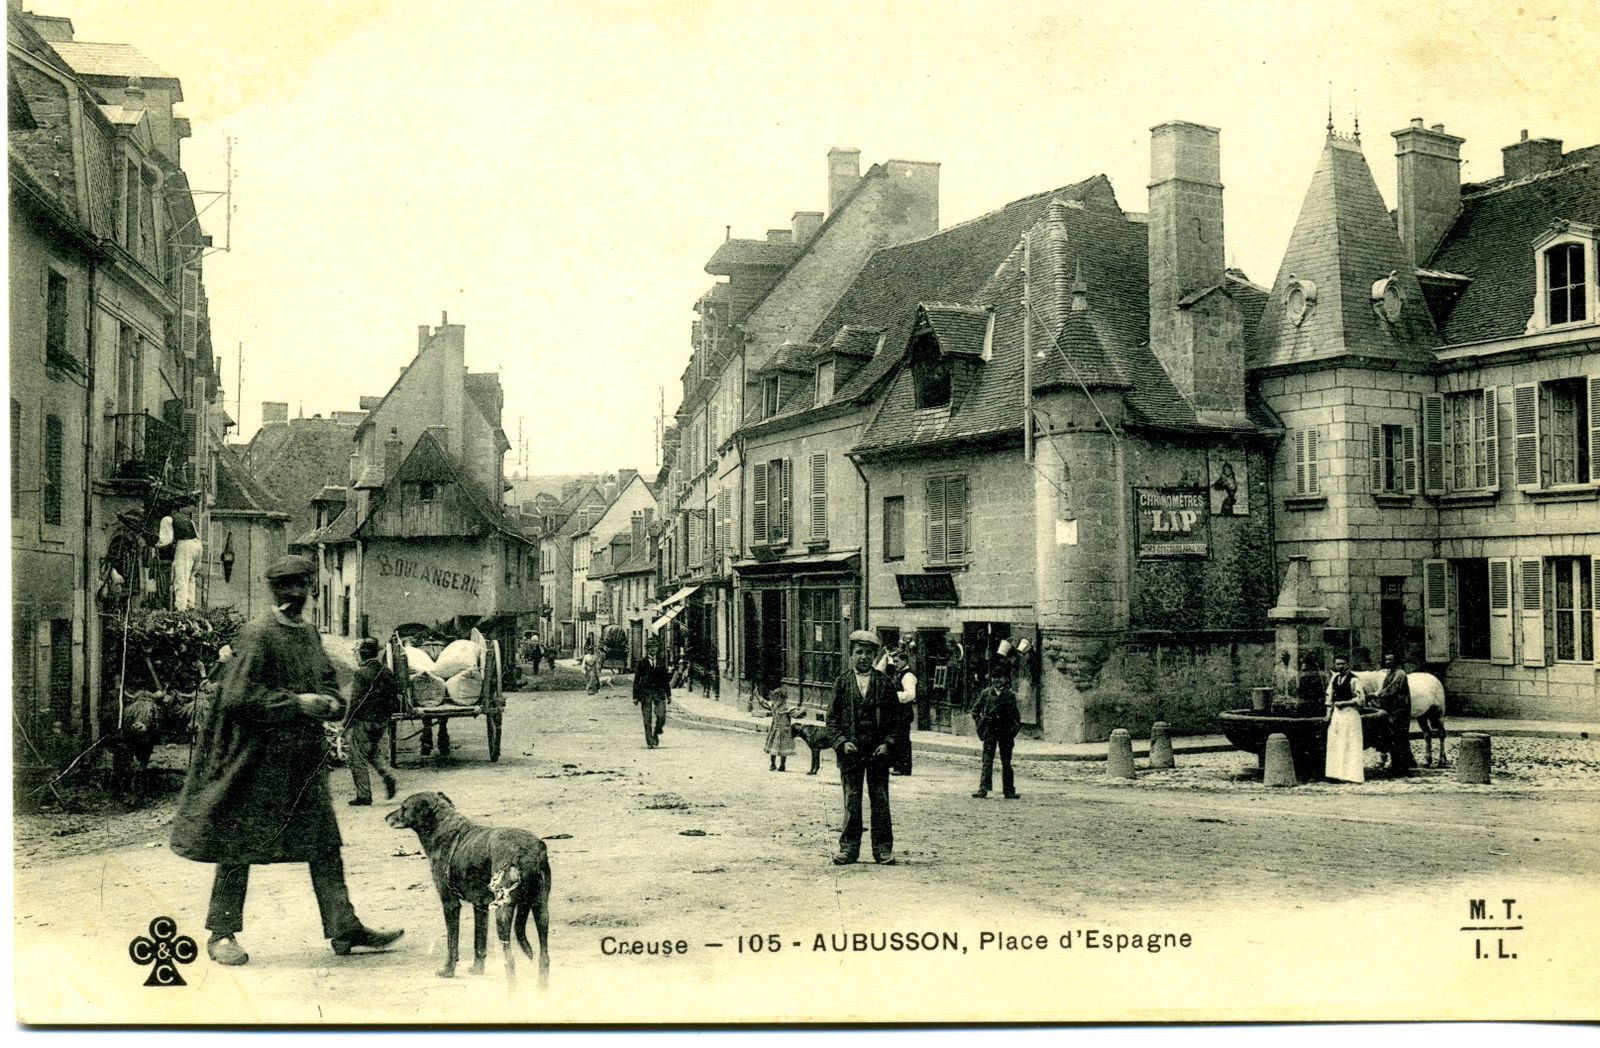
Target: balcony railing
x: 144, y: 448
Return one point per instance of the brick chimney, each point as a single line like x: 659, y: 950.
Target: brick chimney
x: 636, y: 528
x: 1199, y: 339
x: 274, y: 411
x: 805, y: 225
x: 844, y: 171
x: 1428, y: 186
x: 1531, y: 156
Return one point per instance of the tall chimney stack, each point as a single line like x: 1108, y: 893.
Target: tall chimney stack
x: 844, y: 171
x: 1427, y: 186
x: 1531, y: 156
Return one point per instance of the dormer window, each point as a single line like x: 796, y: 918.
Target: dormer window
x: 1566, y: 291
x: 930, y: 374
x: 1566, y: 273
x: 824, y: 381
x: 428, y: 491
x: 770, y: 389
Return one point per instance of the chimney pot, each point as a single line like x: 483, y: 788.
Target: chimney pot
x: 1416, y: 121
x: 1531, y: 156
x: 844, y: 171
x: 422, y: 336
x: 806, y: 224
x: 1439, y: 128
x: 444, y: 318
x: 1428, y: 186
x: 1524, y: 134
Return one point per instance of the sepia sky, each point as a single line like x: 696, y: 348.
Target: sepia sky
x: 556, y: 175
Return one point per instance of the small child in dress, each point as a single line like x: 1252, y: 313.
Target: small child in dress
x: 780, y: 740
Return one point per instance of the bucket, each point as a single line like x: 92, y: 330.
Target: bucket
x: 1261, y: 700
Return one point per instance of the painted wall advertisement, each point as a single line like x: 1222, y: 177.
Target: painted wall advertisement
x: 1172, y: 522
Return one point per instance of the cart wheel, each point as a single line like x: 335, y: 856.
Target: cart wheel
x: 491, y: 720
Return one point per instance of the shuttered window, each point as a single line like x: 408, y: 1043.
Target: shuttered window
x: 1500, y: 610
x: 1433, y: 443
x: 16, y: 458
x: 947, y: 528
x: 1392, y: 459
x: 55, y: 326
x: 54, y: 449
x: 1306, y: 478
x: 819, y: 496
x: 1436, y: 610
x: 1526, y: 411
x: 1530, y: 574
x: 778, y: 475
x: 1472, y: 608
x: 724, y: 520
x: 758, y: 508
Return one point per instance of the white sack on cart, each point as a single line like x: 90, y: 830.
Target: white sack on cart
x: 466, y: 687
x: 427, y: 690
x: 417, y: 660
x: 457, y: 656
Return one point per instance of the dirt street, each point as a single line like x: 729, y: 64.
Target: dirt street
x: 698, y: 842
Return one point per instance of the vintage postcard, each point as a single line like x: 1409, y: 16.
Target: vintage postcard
x: 689, y: 513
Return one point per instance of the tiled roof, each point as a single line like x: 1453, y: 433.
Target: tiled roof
x: 330, y: 493
x: 118, y: 60
x: 951, y: 265
x: 853, y: 341
x: 237, y: 490
x: 732, y: 254
x: 1491, y: 242
x: 1344, y: 241
x: 961, y: 330
x: 343, y: 528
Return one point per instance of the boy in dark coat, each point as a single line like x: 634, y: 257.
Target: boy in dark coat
x: 257, y: 789
x: 864, y: 720
x: 996, y: 717
x: 374, y: 698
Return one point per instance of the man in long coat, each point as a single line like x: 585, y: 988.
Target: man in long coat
x: 652, y: 690
x: 257, y: 788
x: 1394, y: 697
x: 864, y: 719
x: 997, y: 719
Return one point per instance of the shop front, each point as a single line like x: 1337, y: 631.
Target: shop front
x: 795, y: 616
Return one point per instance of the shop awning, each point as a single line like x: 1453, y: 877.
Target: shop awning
x: 814, y: 562
x: 676, y: 597
x: 655, y: 627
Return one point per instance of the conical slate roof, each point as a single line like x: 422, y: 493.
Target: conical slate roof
x: 1344, y: 241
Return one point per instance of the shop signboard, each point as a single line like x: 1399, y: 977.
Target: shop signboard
x: 1172, y: 523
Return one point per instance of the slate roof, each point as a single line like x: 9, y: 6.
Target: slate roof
x: 1344, y: 240
x: 109, y: 60
x: 962, y: 330
x: 1492, y: 242
x: 1102, y: 347
x: 853, y: 341
x: 238, y: 491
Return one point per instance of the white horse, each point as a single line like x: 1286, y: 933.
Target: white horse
x: 1427, y: 705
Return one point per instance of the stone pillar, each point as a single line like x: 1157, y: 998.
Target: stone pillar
x: 1298, y: 619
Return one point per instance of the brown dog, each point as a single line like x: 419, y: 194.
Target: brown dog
x: 507, y: 869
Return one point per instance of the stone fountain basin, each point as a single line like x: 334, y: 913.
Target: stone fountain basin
x: 1308, y: 736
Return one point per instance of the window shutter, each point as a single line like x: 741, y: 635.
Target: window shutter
x: 1491, y: 434
x: 1526, y: 405
x: 1375, y: 458
x: 758, y: 509
x: 955, y: 517
x: 819, y: 496
x: 725, y: 518
x: 1313, y: 482
x: 1531, y: 570
x: 785, y: 476
x: 1300, y: 462
x: 937, y: 548
x: 1594, y: 589
x: 1594, y: 435
x: 190, y: 310
x: 1436, y: 611
x: 1408, y: 444
x: 1500, y: 610
x: 1433, y: 473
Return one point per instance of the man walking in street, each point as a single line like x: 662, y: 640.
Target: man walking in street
x: 374, y: 698
x: 997, y: 720
x: 652, y: 690
x: 257, y: 788
x: 1394, y: 698
x: 864, y: 718
x: 591, y: 668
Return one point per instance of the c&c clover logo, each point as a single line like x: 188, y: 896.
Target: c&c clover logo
x: 164, y: 950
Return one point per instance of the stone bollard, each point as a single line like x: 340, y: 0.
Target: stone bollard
x: 1119, y: 755
x: 1160, y: 746
x: 1472, y: 758
x: 1280, y: 762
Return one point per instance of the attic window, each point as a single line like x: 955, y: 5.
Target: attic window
x: 770, y: 394
x: 428, y: 491
x: 930, y: 373
x: 1566, y: 272
x: 824, y: 381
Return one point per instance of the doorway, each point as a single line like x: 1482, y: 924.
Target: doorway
x: 771, y: 652
x: 1392, y: 618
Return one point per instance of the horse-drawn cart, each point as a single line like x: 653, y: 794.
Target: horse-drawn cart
x: 427, y: 702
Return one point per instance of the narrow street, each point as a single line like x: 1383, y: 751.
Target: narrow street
x: 696, y: 841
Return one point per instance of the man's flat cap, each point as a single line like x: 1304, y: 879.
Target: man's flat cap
x: 864, y: 637
x: 291, y: 566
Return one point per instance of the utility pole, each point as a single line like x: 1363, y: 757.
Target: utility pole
x: 1027, y: 349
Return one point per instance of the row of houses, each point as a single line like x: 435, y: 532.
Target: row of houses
x: 1069, y: 422
x: 117, y: 432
